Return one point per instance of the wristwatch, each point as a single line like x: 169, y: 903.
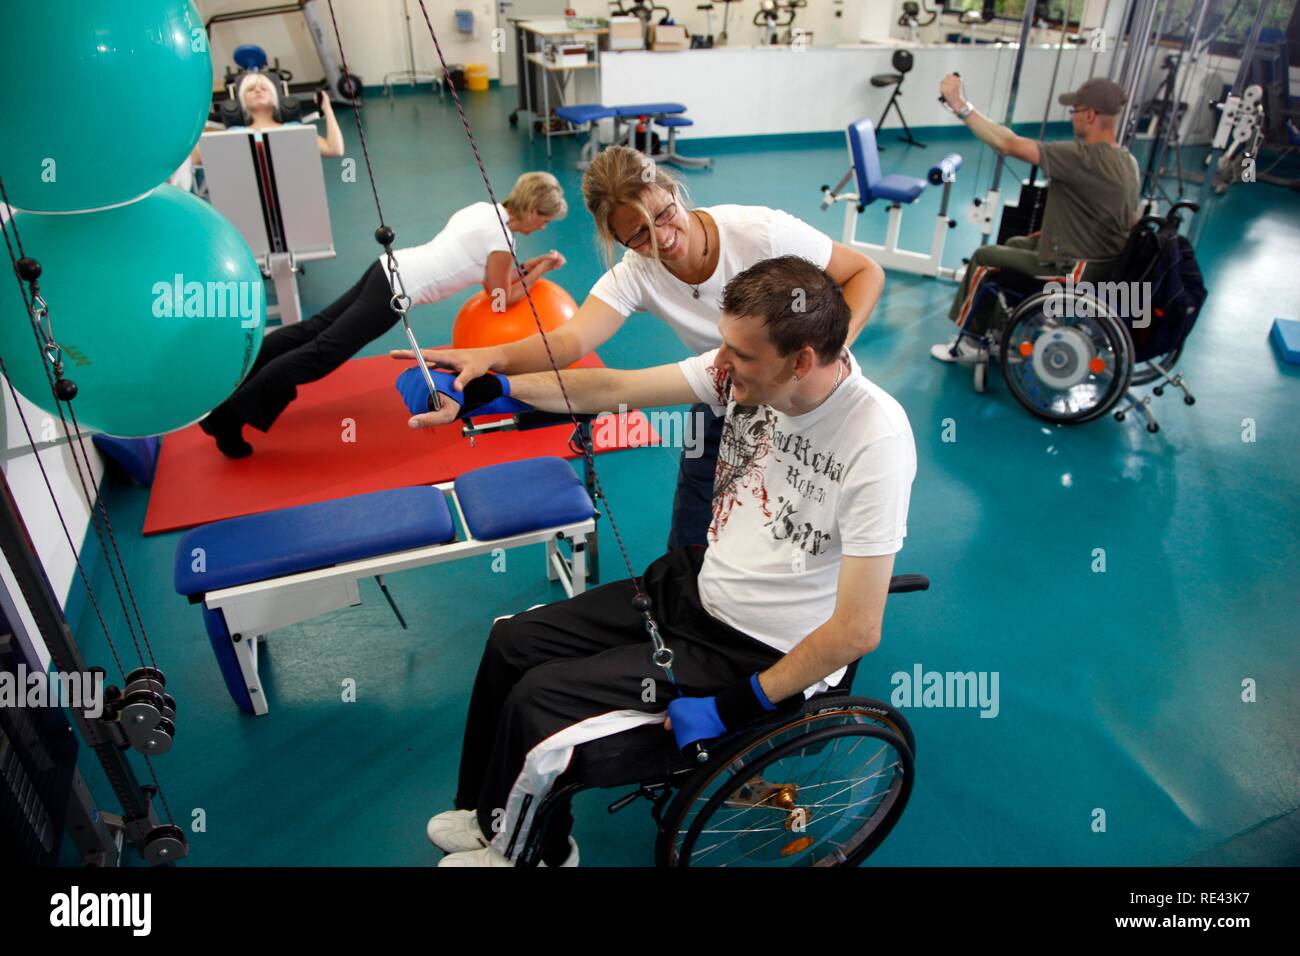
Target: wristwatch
x: 966, y: 111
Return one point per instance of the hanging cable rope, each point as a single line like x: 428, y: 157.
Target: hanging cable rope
x: 26, y: 274
x: 662, y: 655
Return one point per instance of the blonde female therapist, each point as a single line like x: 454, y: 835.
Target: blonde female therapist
x: 677, y: 261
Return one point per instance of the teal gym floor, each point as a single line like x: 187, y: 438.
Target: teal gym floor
x: 1120, y: 691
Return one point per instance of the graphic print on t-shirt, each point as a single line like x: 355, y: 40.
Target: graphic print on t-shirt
x: 750, y: 435
x: 807, y: 471
x: 742, y: 452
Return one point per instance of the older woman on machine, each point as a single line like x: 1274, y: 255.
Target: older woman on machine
x: 677, y: 261
x: 258, y: 99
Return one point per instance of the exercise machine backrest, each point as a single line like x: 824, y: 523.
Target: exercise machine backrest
x: 866, y: 158
x: 291, y: 107
x: 293, y: 216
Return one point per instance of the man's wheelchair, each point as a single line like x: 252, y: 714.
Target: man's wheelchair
x: 1070, y: 354
x: 820, y: 782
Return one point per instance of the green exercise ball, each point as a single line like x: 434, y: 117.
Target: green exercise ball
x: 158, y: 306
x: 104, y: 99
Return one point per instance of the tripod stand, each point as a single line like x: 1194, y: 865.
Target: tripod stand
x: 902, y: 62
x: 411, y: 76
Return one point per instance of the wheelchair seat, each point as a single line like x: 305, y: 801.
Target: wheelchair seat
x: 649, y: 752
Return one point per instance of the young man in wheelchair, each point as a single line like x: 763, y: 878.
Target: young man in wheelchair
x: 810, y: 506
x: 1090, y: 209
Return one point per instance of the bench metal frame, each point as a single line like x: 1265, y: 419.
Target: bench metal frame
x: 253, y: 610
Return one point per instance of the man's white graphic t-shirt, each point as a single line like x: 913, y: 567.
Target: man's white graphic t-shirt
x: 791, y: 495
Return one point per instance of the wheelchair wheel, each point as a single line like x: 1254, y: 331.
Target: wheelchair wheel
x: 1066, y: 357
x: 823, y: 788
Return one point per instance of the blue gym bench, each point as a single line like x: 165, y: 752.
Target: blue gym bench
x: 626, y: 119
x: 257, y: 573
x: 898, y: 191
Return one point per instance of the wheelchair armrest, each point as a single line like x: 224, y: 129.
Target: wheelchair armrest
x: 901, y: 583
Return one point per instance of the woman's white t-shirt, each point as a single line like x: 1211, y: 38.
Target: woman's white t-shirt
x: 746, y: 236
x: 791, y: 495
x: 456, y: 257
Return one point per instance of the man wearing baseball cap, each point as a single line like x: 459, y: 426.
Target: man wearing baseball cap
x: 1091, y: 204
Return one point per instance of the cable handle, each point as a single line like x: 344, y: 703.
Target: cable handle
x: 400, y: 302
x: 944, y: 102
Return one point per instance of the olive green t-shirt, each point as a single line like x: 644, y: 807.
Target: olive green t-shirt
x: 1091, y: 201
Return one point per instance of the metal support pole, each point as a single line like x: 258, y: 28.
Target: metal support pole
x: 1141, y: 67
x: 1026, y: 27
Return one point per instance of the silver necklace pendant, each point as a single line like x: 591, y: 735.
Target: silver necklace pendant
x: 697, y: 292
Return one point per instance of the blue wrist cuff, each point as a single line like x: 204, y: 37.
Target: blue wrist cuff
x: 485, y: 395
x: 758, y: 692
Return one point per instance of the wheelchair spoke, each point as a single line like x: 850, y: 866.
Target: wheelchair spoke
x: 829, y: 788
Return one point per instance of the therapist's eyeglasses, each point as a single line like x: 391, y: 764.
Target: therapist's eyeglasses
x: 642, y: 235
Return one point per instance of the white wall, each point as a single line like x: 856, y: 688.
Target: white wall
x: 819, y: 90
x: 29, y: 489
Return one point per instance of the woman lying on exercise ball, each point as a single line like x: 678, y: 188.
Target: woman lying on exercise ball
x: 470, y: 248
x: 677, y: 263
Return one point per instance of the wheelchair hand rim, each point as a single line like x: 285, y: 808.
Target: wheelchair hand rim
x: 861, y: 842
x: 1081, y: 318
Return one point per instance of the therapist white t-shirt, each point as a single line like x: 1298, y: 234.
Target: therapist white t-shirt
x: 746, y: 235
x: 456, y: 257
x: 792, y: 495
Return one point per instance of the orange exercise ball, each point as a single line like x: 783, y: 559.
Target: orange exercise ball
x: 478, y: 326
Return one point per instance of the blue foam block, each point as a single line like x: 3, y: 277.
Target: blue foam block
x: 138, y: 457
x: 1286, y: 338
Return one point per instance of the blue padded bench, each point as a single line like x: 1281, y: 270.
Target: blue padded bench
x: 626, y: 118
x: 589, y: 115
x: 667, y: 115
x: 257, y: 573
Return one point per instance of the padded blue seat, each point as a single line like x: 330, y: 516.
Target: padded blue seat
x: 517, y: 497
x: 649, y: 109
x: 305, y: 537
x: 866, y: 166
x: 673, y: 121
x: 897, y: 188
x: 580, y: 113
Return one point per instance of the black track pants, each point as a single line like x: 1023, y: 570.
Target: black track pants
x: 560, y: 675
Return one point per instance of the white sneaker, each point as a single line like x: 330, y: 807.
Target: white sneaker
x: 491, y: 856
x: 456, y: 831
x: 487, y: 856
x: 967, y: 351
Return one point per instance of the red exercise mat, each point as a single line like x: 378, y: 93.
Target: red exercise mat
x: 344, y: 435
